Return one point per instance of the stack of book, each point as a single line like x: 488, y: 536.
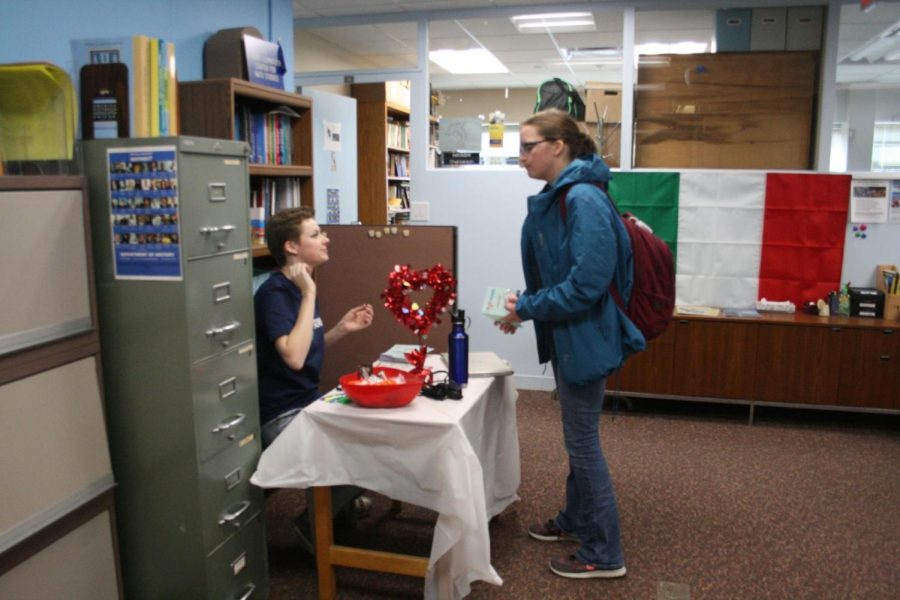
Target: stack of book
x: 152, y: 90
x: 269, y: 133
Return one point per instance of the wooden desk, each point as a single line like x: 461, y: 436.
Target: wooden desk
x: 329, y: 555
x: 458, y: 458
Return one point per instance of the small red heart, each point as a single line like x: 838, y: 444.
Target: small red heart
x: 403, y: 280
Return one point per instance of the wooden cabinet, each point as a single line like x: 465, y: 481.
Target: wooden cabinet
x: 649, y: 371
x: 278, y: 127
x: 797, y: 360
x: 798, y: 364
x: 714, y: 359
x: 383, y: 154
x: 870, y: 368
x: 57, y: 526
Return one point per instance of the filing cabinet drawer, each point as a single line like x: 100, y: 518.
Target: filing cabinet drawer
x: 225, y: 399
x: 213, y: 207
x: 43, y: 257
x: 227, y: 497
x: 219, y: 303
x: 81, y: 564
x: 237, y: 570
x: 62, y: 405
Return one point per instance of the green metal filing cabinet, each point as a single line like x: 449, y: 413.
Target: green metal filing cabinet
x: 173, y: 273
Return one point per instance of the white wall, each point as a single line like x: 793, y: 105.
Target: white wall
x: 488, y: 207
x: 40, y: 30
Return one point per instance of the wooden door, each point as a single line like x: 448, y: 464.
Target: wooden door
x: 798, y: 364
x: 870, y: 368
x: 714, y: 359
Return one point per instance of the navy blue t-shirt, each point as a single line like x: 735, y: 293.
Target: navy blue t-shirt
x: 276, y: 303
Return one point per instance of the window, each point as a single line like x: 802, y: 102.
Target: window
x: 886, y: 146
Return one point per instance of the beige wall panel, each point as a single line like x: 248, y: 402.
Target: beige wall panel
x: 79, y: 566
x: 45, y: 292
x: 53, y: 438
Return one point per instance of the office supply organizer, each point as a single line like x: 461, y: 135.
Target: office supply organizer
x: 37, y: 119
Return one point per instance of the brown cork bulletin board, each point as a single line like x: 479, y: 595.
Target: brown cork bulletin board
x: 360, y: 258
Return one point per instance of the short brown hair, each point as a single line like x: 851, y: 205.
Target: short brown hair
x: 554, y: 124
x: 284, y: 226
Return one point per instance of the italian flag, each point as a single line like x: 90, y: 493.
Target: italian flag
x: 739, y: 237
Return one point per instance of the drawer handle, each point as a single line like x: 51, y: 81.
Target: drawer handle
x: 228, y: 388
x: 250, y: 587
x: 217, y: 192
x: 221, y: 292
x: 223, y: 330
x: 885, y: 357
x: 230, y: 422
x: 230, y: 518
x: 214, y: 229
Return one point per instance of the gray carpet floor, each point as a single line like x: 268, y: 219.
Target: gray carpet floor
x: 802, y: 504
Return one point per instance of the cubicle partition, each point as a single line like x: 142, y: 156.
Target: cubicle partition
x: 361, y: 257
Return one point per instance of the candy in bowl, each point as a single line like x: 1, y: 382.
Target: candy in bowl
x: 384, y: 388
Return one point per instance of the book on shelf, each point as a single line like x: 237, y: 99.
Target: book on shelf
x: 151, y: 74
x: 269, y: 133
x: 398, y: 135
x: 398, y: 165
x: 269, y: 195
x: 703, y: 311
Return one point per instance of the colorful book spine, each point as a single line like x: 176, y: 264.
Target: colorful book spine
x: 154, y: 87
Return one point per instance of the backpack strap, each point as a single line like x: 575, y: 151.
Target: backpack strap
x: 563, y: 212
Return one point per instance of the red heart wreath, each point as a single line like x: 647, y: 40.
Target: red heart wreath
x: 403, y: 280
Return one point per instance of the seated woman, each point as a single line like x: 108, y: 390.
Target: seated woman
x: 291, y: 338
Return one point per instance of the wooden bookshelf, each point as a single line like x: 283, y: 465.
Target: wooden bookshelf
x: 379, y: 151
x: 212, y: 108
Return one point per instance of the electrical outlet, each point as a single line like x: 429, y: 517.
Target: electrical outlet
x: 418, y: 211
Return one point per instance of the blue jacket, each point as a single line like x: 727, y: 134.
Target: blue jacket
x: 568, y: 268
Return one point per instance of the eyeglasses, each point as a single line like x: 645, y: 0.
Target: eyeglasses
x: 527, y: 147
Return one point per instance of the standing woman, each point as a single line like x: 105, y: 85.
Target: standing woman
x: 570, y: 257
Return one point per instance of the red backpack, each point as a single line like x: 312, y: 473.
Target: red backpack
x: 653, y: 291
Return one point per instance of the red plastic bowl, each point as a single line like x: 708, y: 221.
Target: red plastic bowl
x: 385, y: 395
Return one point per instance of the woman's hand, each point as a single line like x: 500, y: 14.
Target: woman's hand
x: 300, y: 274
x: 511, y: 322
x: 357, y: 318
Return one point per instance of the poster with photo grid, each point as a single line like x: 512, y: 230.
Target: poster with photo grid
x: 144, y: 217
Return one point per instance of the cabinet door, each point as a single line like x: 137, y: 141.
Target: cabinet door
x: 43, y: 257
x: 798, y: 364
x: 714, y: 359
x: 650, y: 371
x: 870, y: 368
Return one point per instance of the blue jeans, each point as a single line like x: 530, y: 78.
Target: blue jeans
x: 590, y: 513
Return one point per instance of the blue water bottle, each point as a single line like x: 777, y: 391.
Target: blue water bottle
x: 459, y: 349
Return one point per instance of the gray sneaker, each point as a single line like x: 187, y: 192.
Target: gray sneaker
x: 362, y: 505
x: 549, y: 531
x: 572, y: 568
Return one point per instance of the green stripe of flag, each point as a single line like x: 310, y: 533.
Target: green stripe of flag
x: 651, y: 197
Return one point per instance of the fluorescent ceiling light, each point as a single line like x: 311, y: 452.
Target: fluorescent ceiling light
x: 885, y: 46
x: 467, y: 62
x: 567, y: 22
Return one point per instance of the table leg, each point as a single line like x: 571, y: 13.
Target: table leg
x: 324, y: 541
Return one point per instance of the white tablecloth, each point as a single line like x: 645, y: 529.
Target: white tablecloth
x: 459, y: 458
